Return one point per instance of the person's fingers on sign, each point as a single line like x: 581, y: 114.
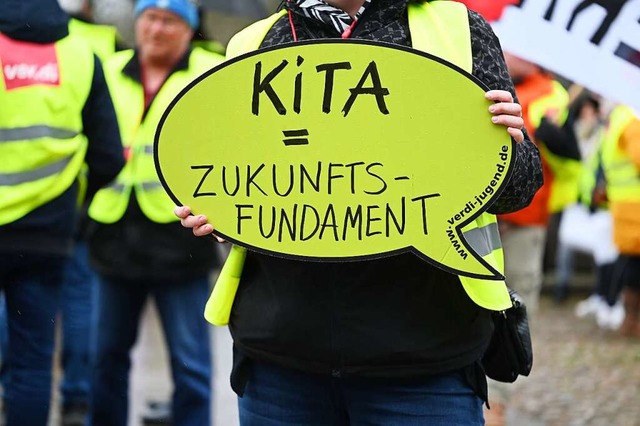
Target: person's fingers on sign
x: 506, y: 113
x: 197, y: 222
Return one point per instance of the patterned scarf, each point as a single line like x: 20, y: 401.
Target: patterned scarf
x: 319, y: 10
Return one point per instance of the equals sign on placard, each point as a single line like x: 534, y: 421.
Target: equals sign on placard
x: 295, y: 137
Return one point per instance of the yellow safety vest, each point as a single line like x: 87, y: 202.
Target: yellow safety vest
x: 431, y: 26
x: 101, y: 38
x: 42, y: 147
x: 623, y: 176
x: 139, y: 174
x: 566, y: 171
x: 588, y: 178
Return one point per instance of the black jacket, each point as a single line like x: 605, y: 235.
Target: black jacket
x: 397, y: 317
x: 50, y: 228
x: 136, y: 248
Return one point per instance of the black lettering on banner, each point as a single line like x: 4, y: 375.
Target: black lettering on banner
x: 377, y: 90
x: 304, y: 174
x: 240, y: 217
x: 290, y: 223
x: 261, y: 222
x: 353, y: 166
x: 304, y: 222
x: 224, y: 181
x: 628, y: 53
x: 331, y: 176
x: 352, y: 219
x: 423, y: 199
x: 391, y: 216
x: 197, y: 193
x: 264, y: 85
x: 457, y: 246
x: 329, y: 221
x: 384, y: 183
x: 295, y: 137
x: 297, y: 91
x: 275, y: 181
x: 251, y: 177
x: 370, y: 219
x: 330, y: 70
x: 613, y: 9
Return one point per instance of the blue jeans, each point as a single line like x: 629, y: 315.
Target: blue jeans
x: 4, y: 339
x: 180, y: 305
x: 77, y: 306
x: 277, y: 396
x: 31, y: 284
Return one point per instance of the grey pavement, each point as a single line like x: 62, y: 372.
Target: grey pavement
x: 582, y: 375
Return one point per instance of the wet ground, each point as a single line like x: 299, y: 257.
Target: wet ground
x: 582, y: 375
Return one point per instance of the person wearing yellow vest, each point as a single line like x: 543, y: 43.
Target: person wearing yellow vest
x: 103, y: 39
x: 388, y: 341
x: 544, y: 102
x: 56, y: 113
x: 77, y: 300
x: 603, y: 303
x: 136, y: 245
x: 621, y: 161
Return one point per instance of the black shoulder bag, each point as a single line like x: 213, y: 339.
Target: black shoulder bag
x: 509, y: 354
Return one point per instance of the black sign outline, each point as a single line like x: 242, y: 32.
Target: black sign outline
x: 495, y: 274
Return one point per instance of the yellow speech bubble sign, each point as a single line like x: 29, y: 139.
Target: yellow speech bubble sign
x: 338, y: 150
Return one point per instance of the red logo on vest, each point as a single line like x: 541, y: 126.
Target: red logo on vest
x: 28, y: 64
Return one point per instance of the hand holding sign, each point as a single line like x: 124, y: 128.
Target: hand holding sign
x: 338, y: 151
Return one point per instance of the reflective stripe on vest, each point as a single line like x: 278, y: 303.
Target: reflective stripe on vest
x: 35, y: 132
x: 623, y: 177
x: 41, y: 122
x: 139, y: 174
x: 9, y: 179
x: 430, y: 25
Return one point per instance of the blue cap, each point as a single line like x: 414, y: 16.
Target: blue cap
x: 186, y: 9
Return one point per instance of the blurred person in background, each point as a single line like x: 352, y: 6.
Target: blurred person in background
x: 580, y: 133
x: 592, y: 213
x: 55, y: 114
x: 136, y: 244
x: 79, y: 287
x: 621, y: 162
x: 544, y: 107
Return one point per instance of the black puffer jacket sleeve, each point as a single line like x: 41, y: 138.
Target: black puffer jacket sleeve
x: 104, y: 154
x: 490, y: 68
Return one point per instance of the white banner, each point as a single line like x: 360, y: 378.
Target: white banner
x: 595, y: 43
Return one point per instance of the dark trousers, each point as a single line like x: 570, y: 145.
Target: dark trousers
x: 31, y: 284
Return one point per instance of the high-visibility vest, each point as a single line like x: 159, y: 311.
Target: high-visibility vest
x: 101, y: 38
x: 538, y: 93
x: 43, y: 89
x: 139, y: 173
x: 566, y: 171
x: 589, y: 177
x: 623, y: 176
x: 431, y: 26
